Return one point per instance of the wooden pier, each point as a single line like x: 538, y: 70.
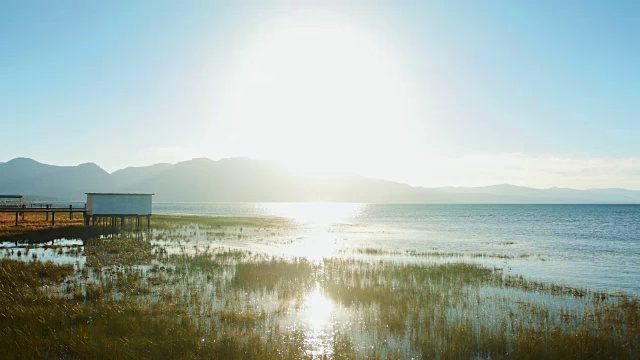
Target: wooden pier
x: 116, y: 220
x: 21, y: 211
x: 115, y: 210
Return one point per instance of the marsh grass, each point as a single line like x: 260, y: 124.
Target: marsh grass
x: 445, y: 254
x: 438, y: 254
x: 35, y: 229
x: 171, y: 221
x: 163, y: 296
x: 21, y: 275
x: 117, y: 251
x: 286, y: 276
x: 444, y: 311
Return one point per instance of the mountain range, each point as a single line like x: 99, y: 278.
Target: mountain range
x: 248, y: 180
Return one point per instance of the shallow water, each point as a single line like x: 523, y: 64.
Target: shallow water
x: 190, y: 264
x: 592, y: 246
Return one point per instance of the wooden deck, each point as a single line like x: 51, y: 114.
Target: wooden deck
x: 113, y: 220
x: 20, y: 212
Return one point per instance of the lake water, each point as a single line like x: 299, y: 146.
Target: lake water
x: 592, y: 246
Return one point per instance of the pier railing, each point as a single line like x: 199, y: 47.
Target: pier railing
x: 48, y: 209
x: 112, y: 220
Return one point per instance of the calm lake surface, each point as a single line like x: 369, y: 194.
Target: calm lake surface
x: 592, y: 246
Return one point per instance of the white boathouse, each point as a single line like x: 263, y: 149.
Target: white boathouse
x: 111, y: 207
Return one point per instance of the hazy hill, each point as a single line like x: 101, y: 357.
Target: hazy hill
x: 247, y: 180
x: 129, y: 178
x: 506, y: 193
x: 29, y: 177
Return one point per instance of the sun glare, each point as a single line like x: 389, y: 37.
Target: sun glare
x: 316, y: 220
x: 317, y: 309
x: 319, y: 215
x: 319, y: 92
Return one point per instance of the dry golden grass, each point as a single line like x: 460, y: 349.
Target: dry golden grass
x: 171, y: 221
x: 34, y: 222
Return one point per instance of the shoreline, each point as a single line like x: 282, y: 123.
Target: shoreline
x: 199, y: 296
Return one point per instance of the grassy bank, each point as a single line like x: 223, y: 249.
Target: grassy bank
x: 35, y: 226
x: 159, y: 295
x: 36, y: 229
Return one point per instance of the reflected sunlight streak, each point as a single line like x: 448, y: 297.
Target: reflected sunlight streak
x: 317, y: 313
x: 318, y: 309
x: 315, y: 214
x: 316, y: 220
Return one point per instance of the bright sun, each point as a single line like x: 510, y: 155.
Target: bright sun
x: 318, y: 91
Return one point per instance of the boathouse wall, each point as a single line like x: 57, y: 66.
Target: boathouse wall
x: 118, y: 204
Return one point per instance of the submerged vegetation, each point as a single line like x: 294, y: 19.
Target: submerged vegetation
x: 171, y: 221
x: 183, y: 290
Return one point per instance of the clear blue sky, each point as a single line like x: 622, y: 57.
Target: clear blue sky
x: 536, y: 93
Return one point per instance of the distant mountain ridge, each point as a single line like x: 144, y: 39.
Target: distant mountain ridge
x: 29, y: 177
x: 247, y: 180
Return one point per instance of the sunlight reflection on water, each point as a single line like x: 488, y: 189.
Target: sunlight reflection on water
x: 317, y: 215
x: 318, y: 313
x: 317, y: 309
x: 316, y: 220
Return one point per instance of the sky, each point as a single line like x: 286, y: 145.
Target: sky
x: 430, y: 93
